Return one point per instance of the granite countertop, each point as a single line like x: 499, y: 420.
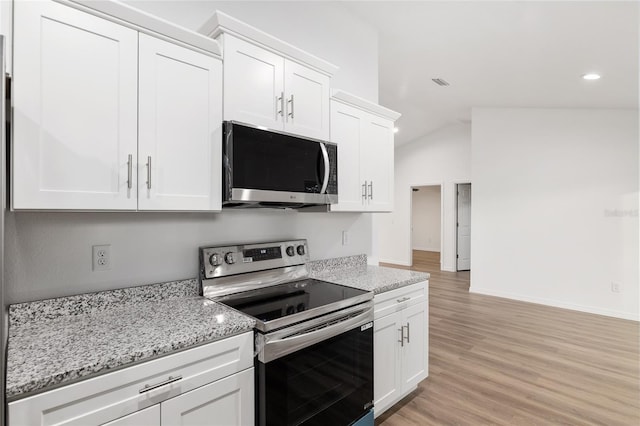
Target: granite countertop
x: 353, y: 271
x: 58, y: 341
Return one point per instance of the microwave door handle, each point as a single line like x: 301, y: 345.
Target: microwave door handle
x: 327, y: 170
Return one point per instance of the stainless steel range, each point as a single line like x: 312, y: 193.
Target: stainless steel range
x: 314, y: 339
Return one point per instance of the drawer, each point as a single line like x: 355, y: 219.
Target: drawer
x: 113, y: 395
x: 395, y: 300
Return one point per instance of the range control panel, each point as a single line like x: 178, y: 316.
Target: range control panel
x: 221, y: 261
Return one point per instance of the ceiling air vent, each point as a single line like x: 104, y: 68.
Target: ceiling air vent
x: 440, y: 82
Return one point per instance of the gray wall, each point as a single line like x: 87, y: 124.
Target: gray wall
x: 49, y: 254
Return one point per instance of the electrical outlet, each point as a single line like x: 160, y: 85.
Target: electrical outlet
x: 345, y: 238
x: 615, y: 287
x: 101, y: 257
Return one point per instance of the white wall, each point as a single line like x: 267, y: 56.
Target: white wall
x: 440, y: 158
x: 49, y: 254
x: 555, y: 207
x: 425, y: 219
x: 326, y: 29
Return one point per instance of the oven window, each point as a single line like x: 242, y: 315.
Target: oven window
x: 329, y: 383
x: 274, y: 162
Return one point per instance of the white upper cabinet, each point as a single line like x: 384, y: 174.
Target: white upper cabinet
x: 377, y: 160
x: 364, y: 134
x: 96, y: 97
x: 75, y: 90
x: 253, y: 84
x: 346, y: 127
x: 270, y: 83
x: 307, y: 108
x: 180, y: 128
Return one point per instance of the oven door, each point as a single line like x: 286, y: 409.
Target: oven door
x: 269, y: 166
x: 329, y: 382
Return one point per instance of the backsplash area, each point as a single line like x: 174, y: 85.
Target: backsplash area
x: 49, y: 254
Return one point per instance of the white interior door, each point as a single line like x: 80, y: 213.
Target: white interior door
x: 464, y: 227
x: 306, y: 101
x: 253, y: 84
x: 75, y: 97
x: 180, y: 128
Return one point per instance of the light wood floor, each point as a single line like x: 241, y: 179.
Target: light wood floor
x: 503, y: 362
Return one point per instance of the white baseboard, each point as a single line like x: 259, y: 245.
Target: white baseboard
x: 556, y: 303
x: 395, y: 262
x: 434, y: 249
x: 448, y: 268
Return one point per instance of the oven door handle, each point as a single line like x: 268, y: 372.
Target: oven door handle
x: 283, y: 342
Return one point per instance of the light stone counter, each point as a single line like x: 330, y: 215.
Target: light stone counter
x: 58, y: 341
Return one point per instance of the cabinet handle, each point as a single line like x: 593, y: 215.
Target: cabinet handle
x: 364, y: 191
x: 401, y: 330
x: 404, y: 299
x: 371, y: 190
x: 407, y: 331
x: 149, y: 172
x: 171, y: 379
x: 130, y: 171
x: 280, y: 100
x: 290, y: 113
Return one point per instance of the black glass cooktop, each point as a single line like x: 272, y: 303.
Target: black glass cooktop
x: 293, y: 300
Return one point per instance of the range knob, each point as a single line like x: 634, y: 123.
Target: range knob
x: 291, y: 251
x: 300, y: 250
x: 290, y: 310
x: 229, y: 258
x: 300, y: 307
x: 215, y: 259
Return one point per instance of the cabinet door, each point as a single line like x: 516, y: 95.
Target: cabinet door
x: 147, y: 417
x: 227, y: 402
x: 346, y: 131
x: 253, y: 84
x: 387, y: 380
x: 180, y: 128
x: 75, y: 98
x: 415, y: 354
x: 307, y: 110
x: 377, y: 159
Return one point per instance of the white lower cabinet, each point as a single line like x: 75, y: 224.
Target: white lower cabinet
x: 401, y: 343
x: 147, y: 417
x: 227, y: 402
x: 212, y: 382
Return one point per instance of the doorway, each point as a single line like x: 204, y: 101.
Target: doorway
x: 426, y: 224
x: 463, y: 227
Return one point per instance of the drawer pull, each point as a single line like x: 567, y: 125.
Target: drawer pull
x: 171, y: 379
x: 404, y: 299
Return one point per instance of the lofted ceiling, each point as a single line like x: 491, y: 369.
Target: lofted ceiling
x: 505, y: 53
x: 501, y: 54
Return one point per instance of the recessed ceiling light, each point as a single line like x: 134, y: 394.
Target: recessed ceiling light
x: 591, y: 76
x: 395, y: 130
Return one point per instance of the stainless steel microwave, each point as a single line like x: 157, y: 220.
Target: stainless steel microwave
x: 267, y: 168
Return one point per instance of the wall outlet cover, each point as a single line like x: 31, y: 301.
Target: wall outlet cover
x: 101, y: 257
